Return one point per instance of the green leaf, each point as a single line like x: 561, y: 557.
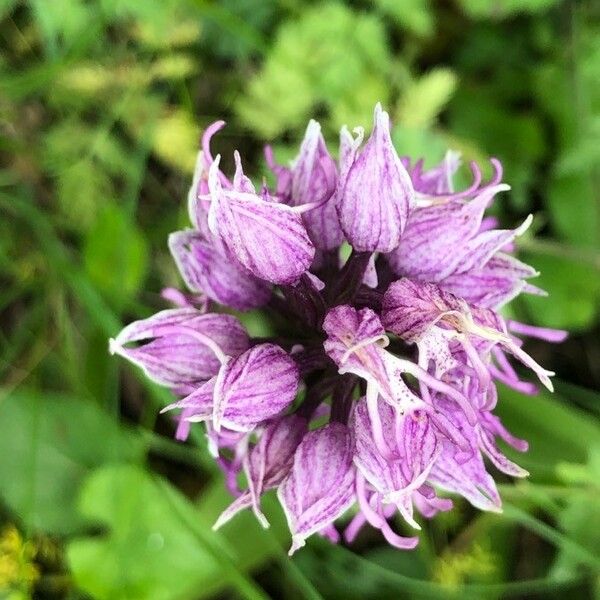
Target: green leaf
x: 116, y: 255
x: 556, y: 431
x: 156, y: 547
x: 574, y: 292
x: 424, y: 99
x: 500, y: 9
x: 53, y: 442
x: 416, y: 16
x: 310, y: 66
x: 571, y: 204
x: 61, y: 21
x: 175, y: 139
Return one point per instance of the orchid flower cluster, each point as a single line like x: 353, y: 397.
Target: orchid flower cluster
x: 382, y: 285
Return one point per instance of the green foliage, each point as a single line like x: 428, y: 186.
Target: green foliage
x: 416, y: 16
x: 310, y: 65
x: 115, y: 254
x: 574, y: 292
x: 53, y: 442
x: 499, y: 9
x: 425, y: 99
x: 141, y: 555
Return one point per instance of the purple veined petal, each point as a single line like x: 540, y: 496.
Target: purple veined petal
x: 468, y: 479
x: 439, y: 180
x: 377, y: 193
x: 349, y: 329
x: 410, y: 308
x: 320, y: 486
x: 181, y: 346
x: 256, y: 386
x: 283, y: 175
x: 314, y: 177
x: 356, y: 342
x: 308, y: 185
x: 267, y: 238
x: 435, y: 237
x: 425, y: 182
x: 204, y: 268
x: 404, y: 469
x: 198, y: 405
x: 480, y: 249
x: 484, y: 287
x: 197, y: 209
x: 498, y: 459
x: 555, y: 336
x: 181, y: 300
x: 197, y: 205
x: 349, y: 146
x: 267, y: 464
x: 241, y: 183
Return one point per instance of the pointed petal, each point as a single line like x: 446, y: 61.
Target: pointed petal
x: 206, y: 269
x: 320, y: 486
x: 177, y: 346
x: 267, y: 238
x: 255, y: 386
x: 377, y: 193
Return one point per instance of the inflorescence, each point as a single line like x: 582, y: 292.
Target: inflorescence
x: 382, y: 286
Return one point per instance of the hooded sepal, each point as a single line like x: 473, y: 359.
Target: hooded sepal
x: 320, y: 486
x: 256, y: 386
x: 181, y: 346
x: 267, y: 238
x: 376, y: 194
x: 314, y: 178
x: 205, y: 267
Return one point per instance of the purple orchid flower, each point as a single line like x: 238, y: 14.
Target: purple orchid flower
x: 320, y: 486
x: 377, y: 387
x: 376, y: 192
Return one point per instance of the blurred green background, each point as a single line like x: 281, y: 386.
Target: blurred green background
x: 101, y: 107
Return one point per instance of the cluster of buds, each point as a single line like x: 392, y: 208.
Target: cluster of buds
x: 382, y: 285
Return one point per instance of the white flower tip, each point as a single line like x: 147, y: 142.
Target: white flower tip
x: 524, y: 226
x: 113, y: 346
x: 314, y: 128
x: 547, y: 381
x: 224, y: 517
x: 381, y: 117
x: 297, y: 543
x: 262, y: 519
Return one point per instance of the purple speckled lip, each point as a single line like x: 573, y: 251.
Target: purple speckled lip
x: 377, y: 388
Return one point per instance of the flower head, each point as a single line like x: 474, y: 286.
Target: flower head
x: 377, y: 387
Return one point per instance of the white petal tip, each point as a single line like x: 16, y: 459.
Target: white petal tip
x: 113, y: 346
x: 297, y: 543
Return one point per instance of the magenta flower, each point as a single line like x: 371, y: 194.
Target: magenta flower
x: 375, y: 394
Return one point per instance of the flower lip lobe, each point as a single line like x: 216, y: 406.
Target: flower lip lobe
x: 376, y: 194
x: 375, y: 382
